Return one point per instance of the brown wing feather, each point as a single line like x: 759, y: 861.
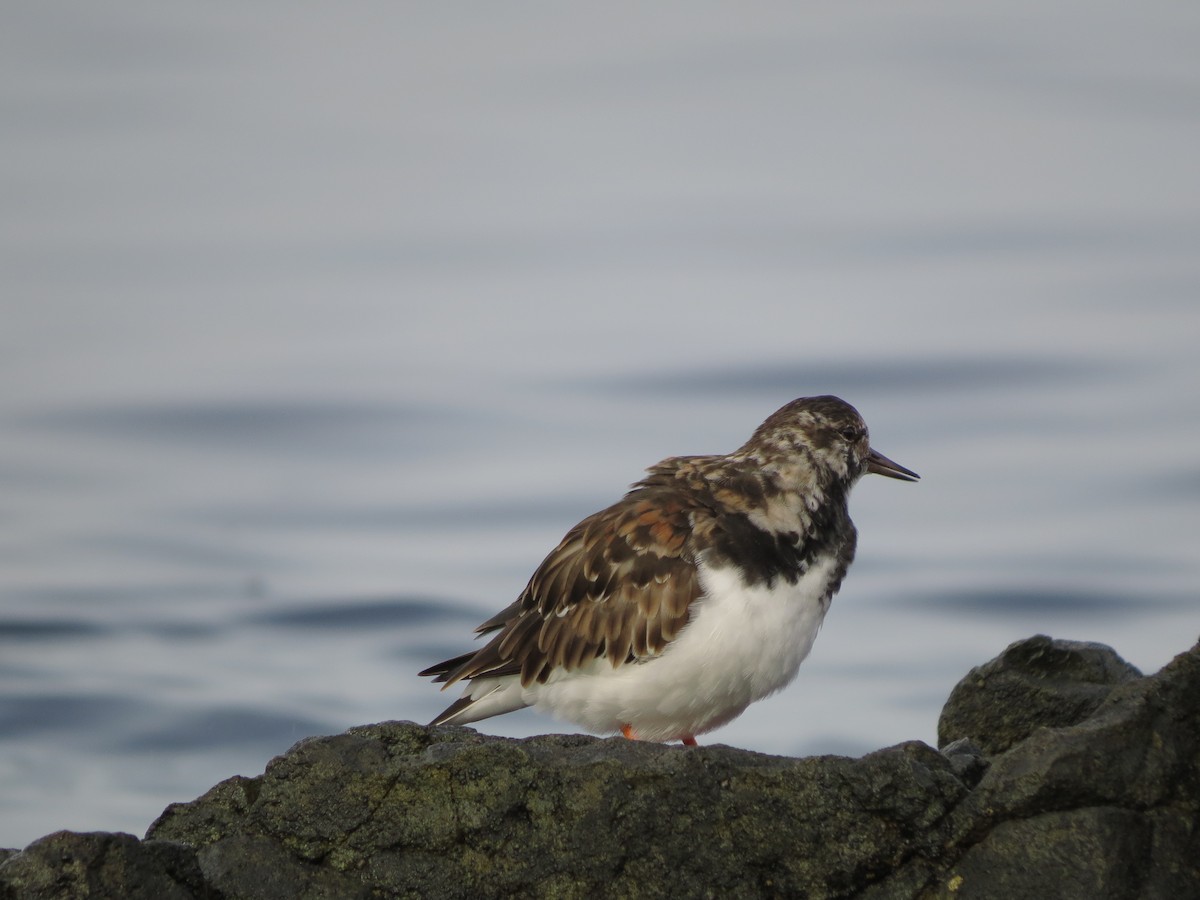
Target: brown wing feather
x: 619, y: 585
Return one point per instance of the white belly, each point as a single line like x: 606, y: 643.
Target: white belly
x: 742, y: 644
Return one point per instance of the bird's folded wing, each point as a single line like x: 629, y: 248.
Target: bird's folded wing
x: 618, y: 586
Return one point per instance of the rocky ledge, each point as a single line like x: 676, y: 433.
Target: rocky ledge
x: 1063, y: 773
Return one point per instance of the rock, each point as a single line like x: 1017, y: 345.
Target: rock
x: 450, y: 813
x: 1034, y: 683
x: 1109, y: 807
x: 99, y: 864
x: 1085, y: 797
x: 966, y: 761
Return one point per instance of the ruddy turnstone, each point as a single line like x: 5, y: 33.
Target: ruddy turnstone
x: 701, y: 591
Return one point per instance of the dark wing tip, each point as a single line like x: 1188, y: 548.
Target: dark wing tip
x: 452, y: 711
x: 442, y: 671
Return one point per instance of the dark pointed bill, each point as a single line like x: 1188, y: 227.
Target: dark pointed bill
x: 878, y: 464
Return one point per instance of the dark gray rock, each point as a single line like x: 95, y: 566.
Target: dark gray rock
x: 67, y: 865
x: 966, y: 760
x: 1098, y: 803
x: 1035, y: 683
x: 1114, y: 842
x: 450, y: 813
x: 1106, y: 808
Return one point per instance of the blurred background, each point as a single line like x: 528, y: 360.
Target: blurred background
x: 322, y: 324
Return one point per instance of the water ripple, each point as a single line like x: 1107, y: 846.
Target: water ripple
x: 363, y: 614
x: 1019, y: 602
x: 223, y: 728
x: 72, y: 713
x: 269, y: 426
x: 862, y: 377
x: 22, y: 630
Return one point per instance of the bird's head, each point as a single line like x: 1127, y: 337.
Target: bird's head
x: 828, y: 436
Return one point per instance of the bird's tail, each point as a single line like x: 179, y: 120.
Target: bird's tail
x: 482, y: 699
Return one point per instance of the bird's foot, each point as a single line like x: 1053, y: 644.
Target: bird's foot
x: 687, y: 739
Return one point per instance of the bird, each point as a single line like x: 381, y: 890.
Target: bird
x: 701, y: 591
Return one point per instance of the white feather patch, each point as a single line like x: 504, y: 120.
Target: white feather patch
x: 743, y: 643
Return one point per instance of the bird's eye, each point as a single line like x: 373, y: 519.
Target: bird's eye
x: 851, y: 434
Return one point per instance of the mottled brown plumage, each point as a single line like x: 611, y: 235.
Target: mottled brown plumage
x: 618, y: 585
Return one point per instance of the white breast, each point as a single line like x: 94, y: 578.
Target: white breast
x: 743, y: 643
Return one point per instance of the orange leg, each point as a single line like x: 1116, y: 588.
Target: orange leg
x: 627, y: 730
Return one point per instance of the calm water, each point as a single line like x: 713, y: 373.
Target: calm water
x: 320, y: 328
